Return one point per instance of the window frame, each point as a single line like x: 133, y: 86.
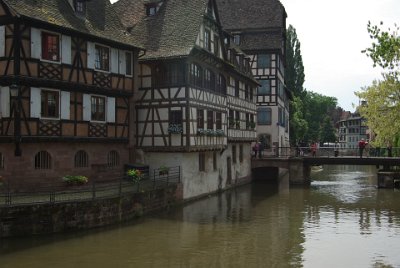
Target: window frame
x: 44, y: 107
x: 210, y: 119
x: 43, y: 52
x: 94, y: 106
x: 98, y: 58
x: 128, y: 63
x: 200, y: 118
x: 264, y: 89
x: 263, y: 61
x: 267, y: 111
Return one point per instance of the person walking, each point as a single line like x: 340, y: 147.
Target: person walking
x: 314, y: 149
x: 361, y: 145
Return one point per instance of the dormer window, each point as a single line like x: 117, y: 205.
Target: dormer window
x: 151, y: 10
x: 153, y: 7
x: 236, y: 39
x: 80, y: 6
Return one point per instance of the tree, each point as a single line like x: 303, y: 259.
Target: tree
x: 385, y: 48
x: 294, y: 80
x: 382, y: 110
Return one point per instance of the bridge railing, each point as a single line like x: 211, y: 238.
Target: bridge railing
x: 330, y: 152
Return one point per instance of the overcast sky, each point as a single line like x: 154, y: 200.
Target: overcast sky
x: 332, y: 35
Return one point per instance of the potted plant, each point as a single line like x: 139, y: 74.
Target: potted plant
x: 163, y: 170
x: 75, y: 179
x: 135, y: 174
x: 175, y: 128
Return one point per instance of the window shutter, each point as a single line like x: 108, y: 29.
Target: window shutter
x: 2, y: 41
x: 114, y: 60
x: 122, y: 62
x: 86, y: 107
x: 4, y: 102
x: 65, y: 105
x: 36, y: 43
x: 111, y: 110
x: 35, y: 102
x: 66, y: 49
x: 91, y: 52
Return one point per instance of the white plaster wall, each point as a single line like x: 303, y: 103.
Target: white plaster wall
x: 196, y: 183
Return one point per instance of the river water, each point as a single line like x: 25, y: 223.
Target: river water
x: 342, y: 220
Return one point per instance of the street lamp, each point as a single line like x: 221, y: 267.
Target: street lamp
x: 16, y: 95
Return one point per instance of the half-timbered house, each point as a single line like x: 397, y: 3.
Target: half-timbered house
x: 258, y: 27
x: 66, y: 85
x: 195, y: 106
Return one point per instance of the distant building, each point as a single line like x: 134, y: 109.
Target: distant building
x: 351, y: 129
x: 258, y: 27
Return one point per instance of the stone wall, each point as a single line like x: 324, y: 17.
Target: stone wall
x: 62, y: 217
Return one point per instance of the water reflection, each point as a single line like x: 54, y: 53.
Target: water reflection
x: 341, y: 220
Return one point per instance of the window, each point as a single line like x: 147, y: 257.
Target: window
x: 236, y: 88
x: 50, y: 104
x: 81, y: 159
x: 241, y: 153
x: 42, y: 160
x: 128, y: 63
x: 207, y: 39
x: 151, y: 9
x: 175, y: 117
x: 218, y: 120
x: 102, y: 59
x: 236, y: 39
x: 263, y: 61
x: 209, y: 79
x: 113, y: 159
x: 50, y: 46
x: 221, y: 84
x: 265, y: 88
x: 98, y: 111
x: 237, y: 117
x: 234, y: 154
x: 210, y: 120
x: 264, y: 116
x: 246, y: 92
x: 251, y: 93
x: 195, y: 75
x: 80, y: 6
x: 200, y: 118
x: 202, y: 162
x: 216, y: 45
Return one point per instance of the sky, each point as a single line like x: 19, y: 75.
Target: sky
x: 332, y: 34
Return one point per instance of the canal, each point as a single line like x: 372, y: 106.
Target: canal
x: 342, y: 220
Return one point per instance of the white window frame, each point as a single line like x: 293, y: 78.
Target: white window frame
x: 110, y: 105
x: 63, y: 104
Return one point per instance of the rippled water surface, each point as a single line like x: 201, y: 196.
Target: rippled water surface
x: 342, y: 220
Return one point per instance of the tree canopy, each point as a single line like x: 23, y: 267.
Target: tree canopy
x: 382, y: 109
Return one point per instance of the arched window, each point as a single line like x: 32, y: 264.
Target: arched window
x: 81, y: 159
x: 43, y: 160
x: 113, y: 159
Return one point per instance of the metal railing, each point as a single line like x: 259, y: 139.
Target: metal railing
x: 329, y: 152
x: 12, y: 195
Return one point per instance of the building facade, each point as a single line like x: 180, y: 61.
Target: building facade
x: 195, y: 106
x: 259, y: 29
x: 351, y: 129
x: 66, y: 85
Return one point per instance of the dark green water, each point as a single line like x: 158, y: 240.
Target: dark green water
x: 342, y: 220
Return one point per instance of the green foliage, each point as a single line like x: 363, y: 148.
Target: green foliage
x: 382, y: 109
x: 135, y: 174
x: 75, y: 179
x: 385, y: 48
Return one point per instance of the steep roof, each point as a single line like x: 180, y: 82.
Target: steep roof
x: 171, y: 32
x: 101, y: 19
x: 251, y: 14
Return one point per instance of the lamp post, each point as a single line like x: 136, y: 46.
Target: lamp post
x: 16, y: 95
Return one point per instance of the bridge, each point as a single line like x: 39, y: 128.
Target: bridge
x: 299, y: 165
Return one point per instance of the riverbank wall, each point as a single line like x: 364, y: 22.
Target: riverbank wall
x: 50, y: 218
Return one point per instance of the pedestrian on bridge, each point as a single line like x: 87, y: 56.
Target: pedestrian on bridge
x: 361, y: 145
